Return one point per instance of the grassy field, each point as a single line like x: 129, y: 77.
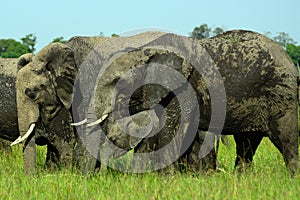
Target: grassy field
x: 267, y: 179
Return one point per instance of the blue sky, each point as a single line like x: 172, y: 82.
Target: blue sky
x: 55, y: 18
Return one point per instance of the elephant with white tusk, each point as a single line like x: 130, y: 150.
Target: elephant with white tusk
x: 165, y: 96
x: 58, y: 135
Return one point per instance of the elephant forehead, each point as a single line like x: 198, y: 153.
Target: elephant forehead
x: 134, y: 69
x: 28, y: 76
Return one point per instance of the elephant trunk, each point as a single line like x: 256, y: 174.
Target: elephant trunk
x: 28, y: 115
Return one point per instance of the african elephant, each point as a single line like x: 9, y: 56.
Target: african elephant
x: 57, y: 136
x: 239, y: 83
x: 52, y: 75
x: 8, y: 118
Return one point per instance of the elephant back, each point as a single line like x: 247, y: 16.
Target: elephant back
x: 258, y: 75
x: 90, y: 55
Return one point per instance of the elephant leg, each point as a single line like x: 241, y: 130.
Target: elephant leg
x: 167, y: 157
x: 82, y: 158
x: 246, y: 145
x: 284, y: 135
x: 65, y: 151
x: 78, y: 154
x: 61, y: 139
x: 59, y: 156
x: 164, y: 160
x: 90, y: 147
x: 148, y: 145
x: 59, y: 151
x: 192, y: 161
x: 52, y: 157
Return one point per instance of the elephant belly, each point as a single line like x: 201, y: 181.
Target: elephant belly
x: 246, y: 115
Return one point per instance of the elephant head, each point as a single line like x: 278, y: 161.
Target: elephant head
x: 44, y: 86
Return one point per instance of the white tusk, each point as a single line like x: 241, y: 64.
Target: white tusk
x: 79, y: 123
x: 98, y: 121
x: 16, y: 141
x: 21, y: 139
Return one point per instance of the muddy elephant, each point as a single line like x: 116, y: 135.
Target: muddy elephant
x: 57, y: 136
x: 154, y: 89
x: 8, y: 118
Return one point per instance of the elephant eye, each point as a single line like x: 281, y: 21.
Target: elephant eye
x: 42, y: 86
x: 32, y: 94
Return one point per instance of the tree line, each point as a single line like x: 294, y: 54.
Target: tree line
x: 10, y: 48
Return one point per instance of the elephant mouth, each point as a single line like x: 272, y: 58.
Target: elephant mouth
x: 49, y: 111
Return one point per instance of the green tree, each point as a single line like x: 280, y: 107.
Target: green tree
x: 218, y: 31
x: 30, y: 41
x: 201, y: 32
x: 59, y: 39
x: 10, y: 48
x: 294, y: 53
x: 114, y: 35
x: 204, y: 31
x: 283, y: 39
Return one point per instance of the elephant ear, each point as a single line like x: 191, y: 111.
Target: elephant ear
x: 59, y: 59
x: 24, y: 60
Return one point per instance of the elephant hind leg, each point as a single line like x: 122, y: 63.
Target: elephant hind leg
x: 246, y: 145
x: 284, y: 135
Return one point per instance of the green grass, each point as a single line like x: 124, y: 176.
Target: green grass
x: 267, y: 179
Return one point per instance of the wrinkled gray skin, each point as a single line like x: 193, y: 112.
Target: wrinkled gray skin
x: 261, y: 94
x: 259, y: 78
x: 8, y: 106
x: 261, y: 84
x: 45, y: 86
x: 58, y: 137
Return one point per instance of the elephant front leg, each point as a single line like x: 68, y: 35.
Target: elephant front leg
x: 89, y: 148
x: 194, y: 161
x: 59, y: 156
x: 60, y: 138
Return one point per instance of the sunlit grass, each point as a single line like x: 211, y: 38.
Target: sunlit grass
x: 267, y: 179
